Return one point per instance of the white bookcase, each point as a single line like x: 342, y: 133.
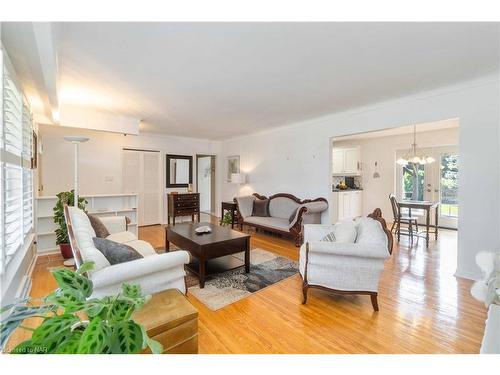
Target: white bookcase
x: 100, y: 205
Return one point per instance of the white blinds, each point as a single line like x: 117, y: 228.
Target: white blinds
x: 16, y: 177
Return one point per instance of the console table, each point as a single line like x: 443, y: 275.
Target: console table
x: 183, y: 204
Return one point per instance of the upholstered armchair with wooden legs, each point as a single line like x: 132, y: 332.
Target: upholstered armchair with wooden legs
x: 346, y: 268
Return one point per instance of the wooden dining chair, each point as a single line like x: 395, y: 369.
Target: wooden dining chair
x: 410, y: 221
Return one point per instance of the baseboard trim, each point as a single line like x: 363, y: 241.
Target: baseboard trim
x: 467, y: 275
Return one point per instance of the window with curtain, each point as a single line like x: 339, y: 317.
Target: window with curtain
x: 16, y: 177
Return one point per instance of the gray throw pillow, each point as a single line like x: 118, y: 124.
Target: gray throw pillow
x: 261, y: 207
x: 330, y: 237
x: 116, y: 252
x: 99, y: 228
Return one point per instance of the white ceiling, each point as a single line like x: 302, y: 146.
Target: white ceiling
x: 220, y: 80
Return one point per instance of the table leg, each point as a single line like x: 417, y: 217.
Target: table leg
x: 222, y: 216
x: 427, y: 225
x: 167, y: 243
x: 436, y: 218
x: 199, y: 216
x: 201, y: 272
x: 247, y: 256
x: 399, y: 227
x: 232, y: 219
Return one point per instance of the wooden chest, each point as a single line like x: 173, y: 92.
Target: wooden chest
x: 183, y: 204
x: 170, y: 319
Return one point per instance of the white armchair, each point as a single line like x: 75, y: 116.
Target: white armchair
x: 154, y: 272
x: 347, y: 268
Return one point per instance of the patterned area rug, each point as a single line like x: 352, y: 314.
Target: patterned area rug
x: 228, y: 287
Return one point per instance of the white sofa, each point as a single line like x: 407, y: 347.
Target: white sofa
x: 347, y: 268
x: 155, y: 272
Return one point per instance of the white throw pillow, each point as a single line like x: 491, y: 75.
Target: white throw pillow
x: 345, y: 232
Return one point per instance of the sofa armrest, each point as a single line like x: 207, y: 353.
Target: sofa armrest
x: 316, y: 232
x: 301, y: 211
x: 114, y: 224
x: 126, y: 272
x: 349, y: 249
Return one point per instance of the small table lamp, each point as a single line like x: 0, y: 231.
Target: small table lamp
x: 238, y: 178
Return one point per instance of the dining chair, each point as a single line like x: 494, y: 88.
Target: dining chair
x: 408, y: 220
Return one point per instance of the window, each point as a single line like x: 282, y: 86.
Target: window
x: 16, y: 177
x: 449, y: 185
x: 413, y: 182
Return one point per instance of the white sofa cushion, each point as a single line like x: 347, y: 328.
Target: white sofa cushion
x: 370, y: 232
x: 282, y: 208
x: 345, y: 232
x: 245, y: 205
x: 270, y: 222
x: 142, y: 247
x: 122, y: 237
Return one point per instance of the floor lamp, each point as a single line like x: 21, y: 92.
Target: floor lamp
x: 76, y: 140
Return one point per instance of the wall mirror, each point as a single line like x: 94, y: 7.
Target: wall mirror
x: 179, y: 170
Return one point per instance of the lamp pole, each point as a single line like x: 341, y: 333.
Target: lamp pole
x: 76, y: 140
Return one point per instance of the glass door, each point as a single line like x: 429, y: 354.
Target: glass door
x: 436, y: 182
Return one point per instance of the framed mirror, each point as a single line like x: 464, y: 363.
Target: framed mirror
x: 179, y: 170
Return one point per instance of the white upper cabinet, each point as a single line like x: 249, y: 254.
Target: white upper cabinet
x: 346, y: 161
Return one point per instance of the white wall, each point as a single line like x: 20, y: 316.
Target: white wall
x: 383, y: 151
x: 295, y: 158
x: 100, y: 161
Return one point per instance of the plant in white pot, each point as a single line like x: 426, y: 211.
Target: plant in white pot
x: 65, y: 197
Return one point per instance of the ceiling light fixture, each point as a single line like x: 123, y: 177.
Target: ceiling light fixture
x: 413, y: 155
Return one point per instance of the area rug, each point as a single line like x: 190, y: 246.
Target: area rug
x: 228, y: 287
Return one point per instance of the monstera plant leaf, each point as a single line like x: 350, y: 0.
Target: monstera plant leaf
x: 68, y: 280
x: 127, y: 337
x: 54, y: 331
x: 96, y: 338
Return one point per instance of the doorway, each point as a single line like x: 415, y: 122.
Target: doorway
x: 436, y: 182
x: 205, y: 182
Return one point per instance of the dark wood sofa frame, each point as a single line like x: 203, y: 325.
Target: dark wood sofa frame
x: 295, y: 232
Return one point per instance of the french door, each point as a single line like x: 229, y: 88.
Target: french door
x: 141, y: 171
x: 436, y: 182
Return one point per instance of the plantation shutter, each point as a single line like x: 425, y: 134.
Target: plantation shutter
x: 16, y: 176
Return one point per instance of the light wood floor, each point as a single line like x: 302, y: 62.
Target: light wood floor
x: 423, y: 308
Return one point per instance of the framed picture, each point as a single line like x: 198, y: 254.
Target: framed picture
x: 233, y: 166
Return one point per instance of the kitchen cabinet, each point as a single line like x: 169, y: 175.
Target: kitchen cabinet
x: 346, y: 161
x: 346, y: 205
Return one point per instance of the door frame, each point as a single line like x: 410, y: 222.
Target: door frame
x: 213, y: 207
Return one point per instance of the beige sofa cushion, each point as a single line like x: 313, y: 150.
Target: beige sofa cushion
x: 283, y: 208
x: 270, y: 222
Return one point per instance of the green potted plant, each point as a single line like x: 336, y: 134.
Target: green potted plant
x: 65, y: 197
x: 227, y: 218
x: 73, y: 323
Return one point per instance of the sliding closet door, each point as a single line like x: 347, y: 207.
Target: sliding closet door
x: 141, y: 174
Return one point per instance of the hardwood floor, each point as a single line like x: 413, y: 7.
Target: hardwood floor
x: 423, y: 308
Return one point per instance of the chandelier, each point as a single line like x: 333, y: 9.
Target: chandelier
x: 414, y: 155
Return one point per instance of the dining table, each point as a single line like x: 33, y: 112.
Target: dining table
x: 427, y: 206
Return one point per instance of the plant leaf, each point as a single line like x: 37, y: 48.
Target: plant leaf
x: 96, y: 338
x: 70, y: 344
x: 70, y: 300
x: 94, y: 307
x: 154, y: 346
x: 67, y: 279
x: 132, y: 290
x: 120, y: 310
x: 53, y: 331
x: 85, y: 267
x: 127, y: 338
x: 16, y: 317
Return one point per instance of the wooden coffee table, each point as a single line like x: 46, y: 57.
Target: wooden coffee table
x: 221, y: 242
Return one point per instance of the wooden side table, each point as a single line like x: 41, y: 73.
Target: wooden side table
x: 170, y: 319
x: 231, y: 207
